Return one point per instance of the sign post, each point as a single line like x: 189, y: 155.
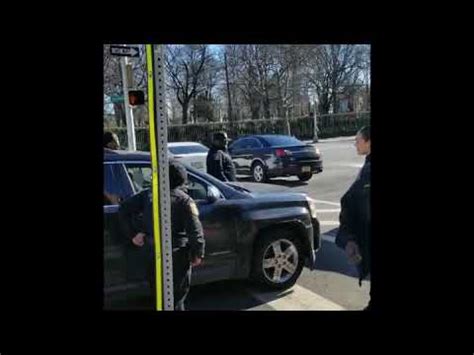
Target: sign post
x: 160, y: 177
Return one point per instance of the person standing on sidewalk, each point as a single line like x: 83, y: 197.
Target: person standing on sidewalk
x: 354, y: 232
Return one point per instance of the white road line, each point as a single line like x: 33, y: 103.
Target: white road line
x: 349, y: 165
x: 328, y: 238
x: 329, y: 210
x: 297, y: 298
x: 329, y: 203
x: 328, y: 223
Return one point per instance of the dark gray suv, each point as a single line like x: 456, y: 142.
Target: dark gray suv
x: 267, y: 237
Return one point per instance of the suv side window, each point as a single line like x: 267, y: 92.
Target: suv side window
x: 197, y: 189
x: 140, y: 176
x: 116, y: 186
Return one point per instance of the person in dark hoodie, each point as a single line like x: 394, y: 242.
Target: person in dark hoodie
x: 218, y: 161
x: 354, y: 232
x: 187, y: 234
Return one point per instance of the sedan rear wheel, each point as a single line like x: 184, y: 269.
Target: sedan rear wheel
x: 258, y: 173
x: 305, y: 176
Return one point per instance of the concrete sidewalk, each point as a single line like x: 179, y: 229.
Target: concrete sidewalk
x: 330, y: 140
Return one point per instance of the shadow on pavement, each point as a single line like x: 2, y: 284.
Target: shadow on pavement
x: 288, y: 183
x: 332, y: 258
x: 221, y: 296
x: 233, y: 295
x: 276, y: 181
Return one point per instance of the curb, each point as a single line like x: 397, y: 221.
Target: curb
x: 330, y: 140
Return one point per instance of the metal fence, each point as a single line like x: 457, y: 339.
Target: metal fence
x: 331, y: 125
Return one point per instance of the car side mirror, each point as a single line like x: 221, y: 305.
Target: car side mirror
x: 213, y: 194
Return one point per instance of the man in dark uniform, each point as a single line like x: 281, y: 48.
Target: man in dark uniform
x: 186, y: 229
x: 354, y: 231
x: 219, y: 163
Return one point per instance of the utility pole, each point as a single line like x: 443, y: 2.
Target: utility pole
x: 315, y: 123
x: 128, y: 84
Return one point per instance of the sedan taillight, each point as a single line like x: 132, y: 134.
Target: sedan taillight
x: 280, y: 153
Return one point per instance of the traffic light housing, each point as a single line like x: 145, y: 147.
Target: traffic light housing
x: 136, y: 97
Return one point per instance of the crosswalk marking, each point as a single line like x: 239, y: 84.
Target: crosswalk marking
x: 328, y: 223
x: 328, y: 238
x: 348, y: 165
x: 328, y: 202
x: 297, y: 298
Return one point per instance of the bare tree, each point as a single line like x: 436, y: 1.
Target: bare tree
x: 185, y: 66
x: 230, y: 113
x: 288, y: 78
x: 331, y: 69
x: 206, y: 103
x: 232, y: 83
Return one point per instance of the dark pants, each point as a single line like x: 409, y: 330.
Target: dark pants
x: 181, y: 278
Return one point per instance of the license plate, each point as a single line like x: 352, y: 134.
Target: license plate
x: 306, y: 169
x: 197, y: 165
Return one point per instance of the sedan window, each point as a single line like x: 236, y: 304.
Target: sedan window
x: 188, y: 149
x: 282, y: 141
x: 253, y: 143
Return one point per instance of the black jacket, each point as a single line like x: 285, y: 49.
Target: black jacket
x: 355, y: 218
x: 136, y: 215
x: 220, y: 165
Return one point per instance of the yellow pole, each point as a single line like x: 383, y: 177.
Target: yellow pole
x: 155, y: 180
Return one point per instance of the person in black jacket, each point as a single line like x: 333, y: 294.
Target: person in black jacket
x: 219, y: 163
x: 187, y: 234
x: 354, y: 231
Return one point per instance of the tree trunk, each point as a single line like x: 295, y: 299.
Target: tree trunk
x: 266, y: 107
x: 229, y: 96
x: 255, y: 111
x: 185, y: 106
x: 120, y: 118
x: 324, y: 104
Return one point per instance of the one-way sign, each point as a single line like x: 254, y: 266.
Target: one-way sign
x: 124, y: 51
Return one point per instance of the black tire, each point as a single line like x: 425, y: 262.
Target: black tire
x: 264, y: 250
x: 305, y: 176
x: 258, y: 172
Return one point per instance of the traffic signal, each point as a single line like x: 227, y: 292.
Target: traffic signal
x: 136, y: 97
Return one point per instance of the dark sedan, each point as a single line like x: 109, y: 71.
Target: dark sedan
x: 267, y: 156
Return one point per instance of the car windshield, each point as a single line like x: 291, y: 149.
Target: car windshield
x: 188, y: 149
x: 282, y: 141
x: 238, y: 187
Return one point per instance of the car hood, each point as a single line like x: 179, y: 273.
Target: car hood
x: 190, y: 155
x: 268, y: 192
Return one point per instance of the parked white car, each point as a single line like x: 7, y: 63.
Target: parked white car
x: 191, y: 153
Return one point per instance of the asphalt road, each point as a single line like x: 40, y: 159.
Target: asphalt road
x: 334, y: 284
